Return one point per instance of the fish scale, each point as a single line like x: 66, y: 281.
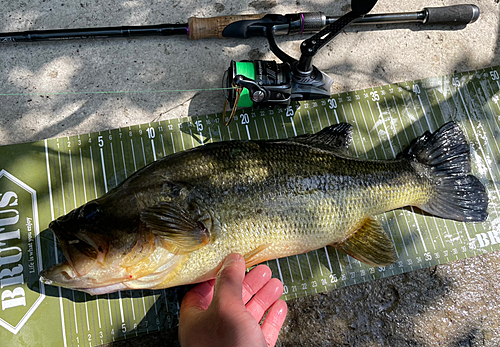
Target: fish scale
x: 241, y: 195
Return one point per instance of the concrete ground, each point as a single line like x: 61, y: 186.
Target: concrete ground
x: 450, y: 305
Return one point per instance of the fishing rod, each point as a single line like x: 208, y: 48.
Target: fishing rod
x: 261, y: 83
x: 253, y: 25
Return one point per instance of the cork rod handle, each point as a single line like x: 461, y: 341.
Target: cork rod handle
x: 200, y: 28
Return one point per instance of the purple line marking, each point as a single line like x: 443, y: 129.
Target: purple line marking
x: 302, y: 29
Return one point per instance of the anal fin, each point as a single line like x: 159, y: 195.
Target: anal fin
x: 369, y: 244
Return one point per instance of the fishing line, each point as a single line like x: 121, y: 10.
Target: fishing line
x: 116, y: 92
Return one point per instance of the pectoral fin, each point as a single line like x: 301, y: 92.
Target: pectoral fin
x: 176, y: 226
x: 369, y: 244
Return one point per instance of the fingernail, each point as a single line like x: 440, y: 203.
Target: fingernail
x: 230, y: 259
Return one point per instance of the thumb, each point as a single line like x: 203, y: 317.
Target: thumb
x: 229, y: 281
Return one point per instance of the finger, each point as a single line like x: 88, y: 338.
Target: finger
x: 229, y: 281
x: 273, y: 322
x: 254, y: 281
x: 264, y: 298
x: 197, y: 299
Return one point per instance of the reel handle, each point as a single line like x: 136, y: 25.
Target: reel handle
x: 200, y: 28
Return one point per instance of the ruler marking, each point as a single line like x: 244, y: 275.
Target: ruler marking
x: 300, y: 267
x: 265, y: 127
x: 459, y: 237
x: 487, y: 143
x: 310, y: 121
x: 120, y: 302
x: 319, y: 120
x: 109, y: 308
x: 328, y: 259
x: 121, y: 306
x: 87, y: 314
x: 381, y: 116
x: 103, y: 171
x: 237, y: 129
x: 437, y: 125
x: 337, y: 116
x: 113, y: 162
x: 275, y: 129
x: 483, y: 155
x: 153, y: 149
x: 163, y: 145
x: 408, y: 142
x: 69, y: 322
x: 411, y: 207
x: 428, y: 127
x: 62, y: 182
x: 302, y: 123
x: 72, y: 177
x: 95, y: 188
x: 349, y: 261
x: 74, y: 311
x: 438, y: 229
x: 51, y: 204
x: 404, y: 215
x: 133, y: 154
x: 450, y: 239
x: 289, y: 269
x: 105, y: 321
x: 93, y: 320
x: 144, y: 307
x: 64, y: 209
x: 309, y: 263
x: 229, y: 133
x: 173, y: 144
x: 132, y: 304
x: 156, y: 311
x: 182, y: 141
x: 256, y: 128
x: 319, y: 264
x: 123, y: 158
x: 279, y: 270
x: 491, y: 131
x: 338, y: 260
x: 293, y: 126
x: 143, y: 152
x: 248, y: 132
x: 284, y: 126
x: 83, y: 176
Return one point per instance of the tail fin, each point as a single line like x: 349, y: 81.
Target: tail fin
x: 445, y: 155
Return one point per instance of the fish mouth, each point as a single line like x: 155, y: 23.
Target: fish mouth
x: 82, y: 253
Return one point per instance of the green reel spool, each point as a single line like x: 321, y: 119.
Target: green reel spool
x: 246, y: 69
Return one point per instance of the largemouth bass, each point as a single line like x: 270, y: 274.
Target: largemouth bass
x: 174, y: 221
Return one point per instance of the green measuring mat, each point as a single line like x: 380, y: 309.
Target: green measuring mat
x: 43, y: 180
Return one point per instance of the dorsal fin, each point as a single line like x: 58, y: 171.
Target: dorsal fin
x: 336, y: 137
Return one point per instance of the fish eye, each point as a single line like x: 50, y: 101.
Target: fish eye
x: 91, y: 211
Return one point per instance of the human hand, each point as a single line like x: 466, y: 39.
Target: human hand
x: 227, y: 311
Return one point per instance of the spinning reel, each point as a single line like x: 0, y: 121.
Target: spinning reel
x: 261, y: 83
